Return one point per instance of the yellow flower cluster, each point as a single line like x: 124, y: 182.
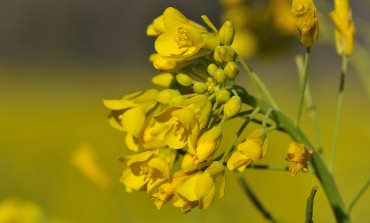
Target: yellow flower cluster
x: 182, y: 121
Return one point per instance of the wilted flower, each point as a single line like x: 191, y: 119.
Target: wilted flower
x: 305, y: 19
x: 298, y: 156
x: 251, y: 150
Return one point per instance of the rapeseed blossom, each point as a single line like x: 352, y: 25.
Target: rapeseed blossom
x: 344, y: 27
x: 298, y: 156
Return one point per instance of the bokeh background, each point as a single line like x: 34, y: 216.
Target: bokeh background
x: 59, y: 59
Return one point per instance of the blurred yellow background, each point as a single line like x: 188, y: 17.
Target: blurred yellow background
x: 60, y: 59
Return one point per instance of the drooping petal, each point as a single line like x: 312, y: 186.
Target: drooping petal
x: 133, y: 120
x: 131, y: 181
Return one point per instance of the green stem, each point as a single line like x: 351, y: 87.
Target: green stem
x: 236, y: 137
x: 358, y: 195
x: 320, y: 170
x: 309, y: 205
x: 268, y: 167
x: 338, y: 112
x: 311, y: 108
x: 303, y: 85
x: 254, y: 199
x: 258, y: 83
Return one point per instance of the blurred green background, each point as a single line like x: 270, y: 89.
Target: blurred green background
x: 59, y: 59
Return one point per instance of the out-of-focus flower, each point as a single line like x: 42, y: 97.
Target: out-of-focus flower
x: 179, y: 40
x: 305, y: 19
x: 145, y: 169
x: 251, y: 150
x: 84, y: 158
x: 298, y: 156
x: 281, y: 16
x: 17, y: 211
x: 345, y: 28
x: 199, y: 189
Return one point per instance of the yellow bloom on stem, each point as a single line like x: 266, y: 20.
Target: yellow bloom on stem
x: 182, y: 126
x: 298, y: 156
x: 129, y: 114
x: 164, y: 193
x: 345, y: 28
x: 305, y: 19
x: 251, y: 150
x: 179, y: 40
x: 147, y: 168
x: 206, y: 147
x: 199, y: 189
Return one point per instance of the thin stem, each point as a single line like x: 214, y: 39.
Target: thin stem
x: 311, y: 108
x: 236, y: 137
x: 268, y: 167
x: 264, y: 122
x: 254, y: 199
x: 358, y: 195
x: 257, y: 82
x: 338, y: 112
x: 309, y: 205
x: 303, y: 85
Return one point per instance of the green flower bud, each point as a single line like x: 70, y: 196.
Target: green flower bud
x: 222, y: 96
x: 231, y: 70
x: 227, y: 33
x: 200, y: 87
x: 177, y: 100
x: 227, y: 54
x: 184, y: 79
x: 232, y: 106
x: 220, y: 76
x: 165, y: 96
x: 216, y: 55
x: 211, y: 69
x: 165, y: 80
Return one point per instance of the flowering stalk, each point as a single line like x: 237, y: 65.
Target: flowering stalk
x: 320, y: 169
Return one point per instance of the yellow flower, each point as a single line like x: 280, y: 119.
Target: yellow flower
x: 179, y: 40
x: 14, y: 210
x: 345, y: 28
x: 305, y: 19
x: 147, y: 168
x: 164, y: 193
x: 251, y: 150
x: 129, y: 114
x: 199, y: 189
x: 207, y: 145
x: 298, y: 156
x: 282, y: 19
x: 168, y: 64
x: 182, y: 126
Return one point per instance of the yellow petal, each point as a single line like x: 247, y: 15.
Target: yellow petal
x: 160, y: 165
x: 133, y: 121
x: 205, y: 190
x: 187, y: 189
x: 131, y: 181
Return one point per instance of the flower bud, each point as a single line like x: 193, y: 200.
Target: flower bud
x: 184, y: 79
x: 227, y: 54
x: 231, y: 70
x: 165, y: 96
x: 216, y: 55
x: 211, y: 69
x: 200, y: 87
x: 305, y: 19
x: 165, y: 80
x: 219, y: 76
x: 232, y: 106
x: 227, y: 33
x: 222, y: 96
